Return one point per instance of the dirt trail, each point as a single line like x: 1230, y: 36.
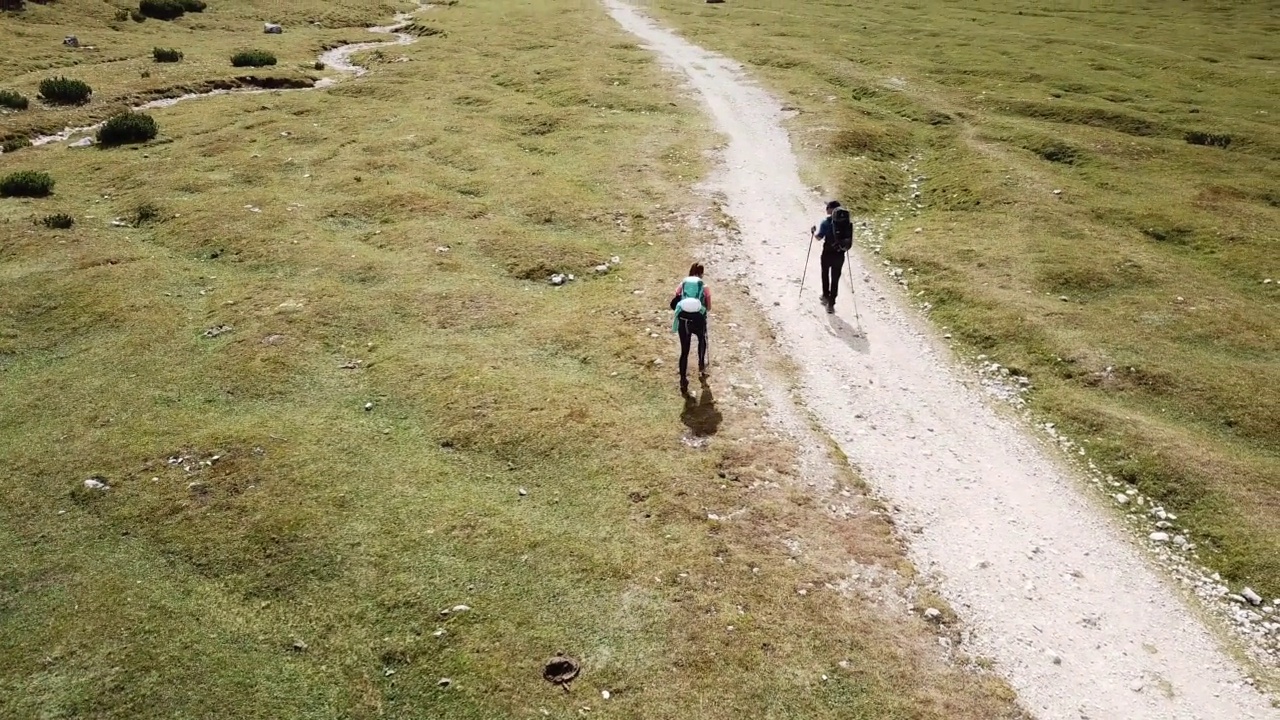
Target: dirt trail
x: 1054, y: 591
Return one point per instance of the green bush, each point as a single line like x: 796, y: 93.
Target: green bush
x: 195, y: 6
x: 162, y: 9
x: 64, y: 91
x: 13, y: 100
x: 137, y: 16
x: 253, y: 58
x: 15, y: 144
x: 58, y: 221
x: 26, y: 183
x: 127, y: 127
x: 319, y: 65
x: 166, y: 55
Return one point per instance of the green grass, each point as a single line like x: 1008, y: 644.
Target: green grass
x: 1157, y: 124
x: 268, y: 548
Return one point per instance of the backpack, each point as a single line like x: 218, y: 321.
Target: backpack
x: 689, y: 299
x: 841, y: 230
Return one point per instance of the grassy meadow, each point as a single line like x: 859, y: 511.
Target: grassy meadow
x: 1101, y: 211
x: 320, y: 369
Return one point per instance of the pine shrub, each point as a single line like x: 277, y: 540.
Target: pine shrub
x: 58, y: 221
x: 13, y: 100
x: 162, y: 9
x: 253, y: 58
x: 64, y: 91
x: 127, y: 127
x: 26, y: 183
x: 15, y: 144
x: 166, y: 55
x: 194, y: 6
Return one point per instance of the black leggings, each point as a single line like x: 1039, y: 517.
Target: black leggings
x: 689, y: 325
x: 832, y: 264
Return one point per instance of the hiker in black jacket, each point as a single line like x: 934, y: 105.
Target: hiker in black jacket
x: 836, y: 234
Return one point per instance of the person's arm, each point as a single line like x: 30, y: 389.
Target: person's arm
x: 706, y: 297
x: 824, y: 230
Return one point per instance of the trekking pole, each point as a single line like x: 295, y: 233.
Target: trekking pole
x: 806, y: 263
x: 853, y: 290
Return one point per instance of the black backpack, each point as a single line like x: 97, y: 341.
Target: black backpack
x: 841, y: 230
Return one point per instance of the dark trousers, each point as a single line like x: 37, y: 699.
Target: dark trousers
x: 832, y: 264
x: 690, y: 325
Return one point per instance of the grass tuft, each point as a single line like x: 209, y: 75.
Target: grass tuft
x: 58, y: 221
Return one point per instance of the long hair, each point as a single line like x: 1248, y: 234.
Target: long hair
x: 696, y: 270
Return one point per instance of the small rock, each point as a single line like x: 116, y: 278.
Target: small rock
x: 438, y: 633
x: 272, y: 28
x: 1237, y: 599
x: 368, y: 406
x: 273, y: 339
x: 1251, y: 596
x: 615, y: 260
x: 933, y: 614
x: 1064, y: 298
x: 1267, y: 281
x: 460, y: 608
x: 919, y: 230
x: 95, y: 484
x: 1057, y: 192
x: 299, y: 646
x: 1164, y: 525
x: 557, y: 279
x: 1136, y: 686
x: 214, y: 332
x: 1122, y: 499
x: 605, y: 694
x: 82, y: 142
x: 1180, y: 541
x: 1159, y: 537
x: 71, y: 41
x: 602, y: 269
x: 442, y: 249
x: 523, y: 492
x: 1054, y: 657
x: 444, y: 682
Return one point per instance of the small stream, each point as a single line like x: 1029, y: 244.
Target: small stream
x: 338, y: 58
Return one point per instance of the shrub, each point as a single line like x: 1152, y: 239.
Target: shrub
x: 64, y: 91
x: 127, y: 127
x: 26, y: 183
x: 253, y: 58
x: 13, y: 100
x: 162, y: 9
x: 143, y: 214
x: 13, y: 5
x: 166, y: 55
x: 58, y: 221
x: 137, y: 16
x: 122, y: 14
x: 319, y: 65
x: 195, y: 6
x: 1220, y: 140
x: 15, y: 144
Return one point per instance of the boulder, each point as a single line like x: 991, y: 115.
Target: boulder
x: 71, y: 41
x: 272, y: 28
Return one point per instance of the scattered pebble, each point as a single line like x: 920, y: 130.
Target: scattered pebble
x: 1251, y: 596
x: 95, y: 484
x: 444, y: 682
x: 1122, y: 499
x: 368, y: 406
x: 605, y: 694
x: 1159, y: 537
x: 933, y: 614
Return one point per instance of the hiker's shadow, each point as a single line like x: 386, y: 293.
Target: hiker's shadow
x: 701, y: 415
x: 853, y: 337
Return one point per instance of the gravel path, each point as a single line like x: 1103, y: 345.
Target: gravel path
x: 1054, y: 591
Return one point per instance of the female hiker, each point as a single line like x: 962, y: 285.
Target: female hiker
x: 691, y: 304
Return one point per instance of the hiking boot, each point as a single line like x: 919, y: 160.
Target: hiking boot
x: 684, y: 386
x: 831, y: 308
